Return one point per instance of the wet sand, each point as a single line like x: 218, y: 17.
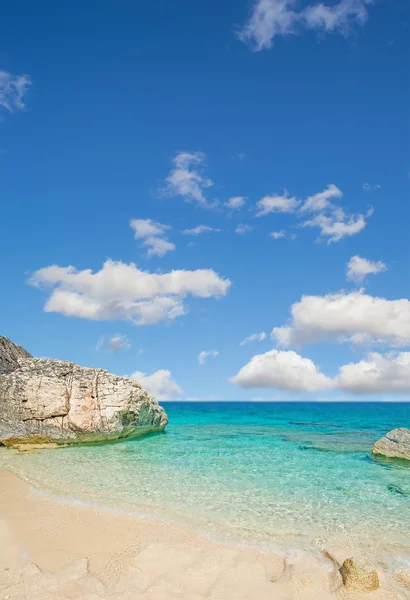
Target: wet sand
x: 50, y: 550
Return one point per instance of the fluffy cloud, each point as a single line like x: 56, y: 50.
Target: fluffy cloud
x: 358, y: 268
x: 236, y: 202
x: 282, y: 204
x: 253, y: 338
x: 153, y: 234
x: 283, y: 371
x: 287, y: 370
x: 272, y: 18
x: 160, y: 384
x: 338, y: 224
x: 199, y: 229
x: 115, y: 343
x: 202, y: 356
x: 321, y: 201
x: 378, y: 374
x: 121, y: 291
x: 354, y: 316
x: 13, y: 88
x: 187, y: 180
x: 241, y: 229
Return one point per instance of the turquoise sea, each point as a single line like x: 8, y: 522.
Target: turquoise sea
x: 270, y: 475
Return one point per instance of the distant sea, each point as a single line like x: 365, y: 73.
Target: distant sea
x: 270, y: 475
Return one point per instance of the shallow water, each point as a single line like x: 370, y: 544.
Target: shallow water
x: 264, y: 474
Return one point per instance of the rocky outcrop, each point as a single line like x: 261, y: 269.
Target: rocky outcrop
x: 359, y: 575
x: 11, y: 355
x: 395, y: 444
x: 45, y: 401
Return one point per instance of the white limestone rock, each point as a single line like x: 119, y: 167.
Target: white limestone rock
x: 45, y: 401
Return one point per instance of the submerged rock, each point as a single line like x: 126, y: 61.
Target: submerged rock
x: 359, y: 575
x: 45, y: 401
x: 395, y: 444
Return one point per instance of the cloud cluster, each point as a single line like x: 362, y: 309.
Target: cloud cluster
x: 116, y: 343
x: 272, y: 18
x: 358, y: 268
x: 13, y: 88
x: 202, y: 356
x: 200, y: 229
x: 121, y: 291
x: 259, y: 337
x: 154, y: 236
x: 160, y: 384
x: 353, y: 316
x: 187, y: 180
x: 281, y: 235
x: 287, y: 370
x: 318, y: 210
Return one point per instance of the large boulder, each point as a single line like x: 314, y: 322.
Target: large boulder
x: 395, y: 444
x: 45, y: 401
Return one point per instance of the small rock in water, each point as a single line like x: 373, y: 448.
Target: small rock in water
x: 395, y: 444
x: 359, y: 575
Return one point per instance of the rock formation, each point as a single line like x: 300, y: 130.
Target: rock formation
x: 45, y: 401
x: 395, y: 444
x: 359, y: 575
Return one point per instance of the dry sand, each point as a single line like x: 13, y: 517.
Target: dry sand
x: 52, y: 551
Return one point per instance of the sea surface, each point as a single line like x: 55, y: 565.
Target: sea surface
x: 269, y: 475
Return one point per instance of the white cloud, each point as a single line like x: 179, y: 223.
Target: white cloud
x: 144, y: 228
x: 200, y: 229
x: 253, y: 338
x: 121, y: 291
x: 153, y: 234
x: 241, y: 229
x: 160, y: 384
x: 202, y: 356
x: 271, y: 204
x: 319, y: 202
x: 272, y: 18
x: 278, y: 235
x: 235, y: 202
x: 378, y: 374
x: 282, y: 370
x: 186, y: 178
x: 368, y: 187
x: 13, y: 88
x: 354, y: 316
x: 287, y: 370
x: 115, y: 344
x: 338, y: 224
x: 158, y: 246
x: 358, y: 268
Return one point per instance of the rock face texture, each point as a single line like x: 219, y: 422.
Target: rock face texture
x: 395, y: 444
x: 45, y: 401
x: 11, y: 355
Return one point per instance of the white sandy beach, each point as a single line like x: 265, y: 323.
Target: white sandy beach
x: 51, y: 551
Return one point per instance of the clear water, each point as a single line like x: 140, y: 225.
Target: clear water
x: 273, y: 475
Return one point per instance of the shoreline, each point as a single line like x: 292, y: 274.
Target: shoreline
x: 50, y: 547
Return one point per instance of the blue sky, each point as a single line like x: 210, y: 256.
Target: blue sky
x: 160, y: 115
